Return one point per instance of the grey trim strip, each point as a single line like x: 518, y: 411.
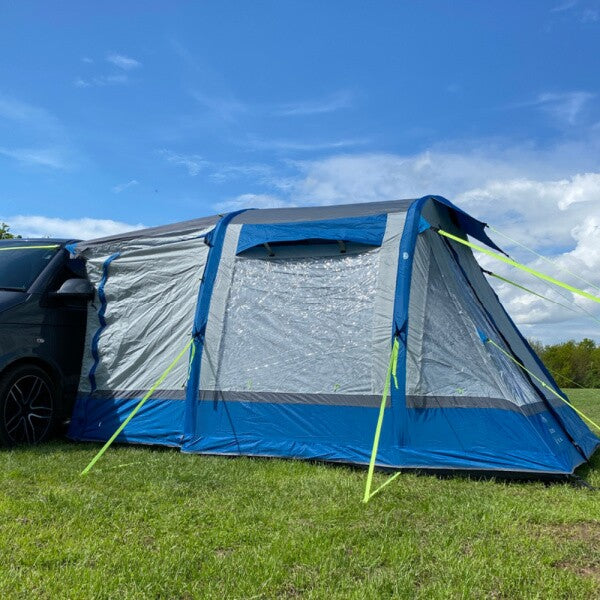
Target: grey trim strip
x: 178, y: 394
x: 320, y: 213
x: 370, y: 401
x: 421, y: 402
x: 211, y: 349
x: 385, y: 296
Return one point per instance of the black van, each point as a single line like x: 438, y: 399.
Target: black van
x: 43, y: 310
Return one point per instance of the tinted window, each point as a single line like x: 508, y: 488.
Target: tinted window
x: 20, y: 264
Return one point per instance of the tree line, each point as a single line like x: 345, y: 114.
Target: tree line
x: 572, y: 363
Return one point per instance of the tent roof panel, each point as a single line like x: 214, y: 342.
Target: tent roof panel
x: 163, y: 230
x: 321, y: 213
x: 263, y: 216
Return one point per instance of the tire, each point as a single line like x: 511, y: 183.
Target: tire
x: 29, y: 406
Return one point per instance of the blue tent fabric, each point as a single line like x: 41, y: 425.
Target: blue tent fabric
x: 364, y: 230
x: 204, y: 297
x: 478, y: 431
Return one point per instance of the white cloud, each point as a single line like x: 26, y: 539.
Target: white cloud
x: 251, y: 201
x: 33, y: 136
x: 302, y: 146
x: 101, y: 81
x: 587, y: 11
x: 590, y: 15
x: 28, y: 115
x: 228, y: 108
x: 563, y: 6
x: 87, y: 60
x: 332, y: 103
x: 225, y: 108
x: 194, y: 163
x: 123, y: 62
x: 85, y: 228
x: 566, y: 106
x: 371, y: 177
x: 40, y: 157
x: 117, y: 189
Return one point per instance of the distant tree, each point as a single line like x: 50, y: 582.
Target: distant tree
x: 5, y: 233
x: 538, y: 347
x: 571, y: 363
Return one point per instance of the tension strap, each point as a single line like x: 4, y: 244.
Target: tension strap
x: 391, y: 372
x: 514, y: 263
x: 532, y: 292
x: 540, y: 381
x: 50, y: 247
x: 137, y: 408
x: 548, y: 260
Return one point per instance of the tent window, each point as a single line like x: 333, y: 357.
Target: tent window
x: 445, y: 356
x: 300, y: 322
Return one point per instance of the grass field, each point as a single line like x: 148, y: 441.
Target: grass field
x: 160, y: 524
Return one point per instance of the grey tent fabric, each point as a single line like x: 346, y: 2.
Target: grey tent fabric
x: 441, y: 217
x: 150, y: 305
x: 445, y: 355
x: 171, y: 230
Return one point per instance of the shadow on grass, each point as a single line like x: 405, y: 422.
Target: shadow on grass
x: 62, y: 445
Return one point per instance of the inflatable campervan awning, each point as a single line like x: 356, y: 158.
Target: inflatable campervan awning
x: 311, y: 329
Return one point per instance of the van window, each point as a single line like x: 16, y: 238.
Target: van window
x: 20, y: 265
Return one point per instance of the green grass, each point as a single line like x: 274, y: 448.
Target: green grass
x: 159, y: 524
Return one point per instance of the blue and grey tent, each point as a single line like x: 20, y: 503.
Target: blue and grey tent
x: 306, y: 325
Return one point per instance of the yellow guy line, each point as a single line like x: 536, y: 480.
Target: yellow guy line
x: 137, y: 408
x: 2, y: 249
x: 510, y: 261
x: 391, y: 372
x: 548, y: 260
x: 543, y: 383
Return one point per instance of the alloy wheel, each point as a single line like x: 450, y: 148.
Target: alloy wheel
x: 28, y: 410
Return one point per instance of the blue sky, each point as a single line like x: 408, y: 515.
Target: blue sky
x: 125, y: 113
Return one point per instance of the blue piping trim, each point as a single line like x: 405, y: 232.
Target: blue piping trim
x: 215, y: 239
x: 101, y: 319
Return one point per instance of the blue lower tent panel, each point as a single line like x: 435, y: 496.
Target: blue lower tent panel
x: 435, y: 438
x: 487, y: 439
x: 305, y: 431
x: 580, y: 432
x: 470, y: 439
x: 157, y: 422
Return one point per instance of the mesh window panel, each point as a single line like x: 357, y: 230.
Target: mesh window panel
x: 446, y: 357
x: 300, y: 325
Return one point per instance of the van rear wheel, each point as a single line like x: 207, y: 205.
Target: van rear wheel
x: 28, y: 406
